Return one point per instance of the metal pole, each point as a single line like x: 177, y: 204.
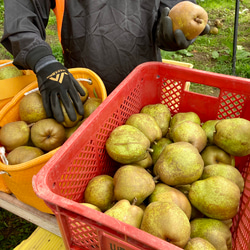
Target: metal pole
x: 236, y: 18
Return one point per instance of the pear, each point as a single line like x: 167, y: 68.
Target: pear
x: 233, y: 136
x: 67, y: 123
x: 227, y: 171
x: 144, y: 163
x: 179, y: 163
x: 165, y: 193
x: 133, y: 182
x: 23, y: 154
x: 198, y: 243
x: 191, y: 132
x: 209, y: 128
x: 161, y: 113
x: 215, y: 155
x: 182, y: 117
x: 166, y: 221
x: 127, y: 144
x: 90, y: 105
x: 216, y: 197
x: 158, y: 147
x: 47, y: 134
x: 91, y: 206
x: 71, y: 130
x: 126, y: 212
x: 10, y: 72
x: 31, y: 108
x: 146, y: 124
x: 212, y: 230
x: 100, y: 192
x: 14, y: 134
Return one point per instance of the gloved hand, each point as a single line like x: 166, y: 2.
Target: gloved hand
x: 57, y: 84
x: 168, y: 40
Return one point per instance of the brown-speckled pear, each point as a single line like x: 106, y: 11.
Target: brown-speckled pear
x: 127, y: 144
x: 166, y: 221
x: 179, y: 163
x: 233, y: 136
x: 133, y: 182
x: 165, y: 193
x: 212, y: 154
x: 198, y: 243
x: 161, y: 113
x: 100, y: 192
x: 126, y: 212
x: 212, y: 230
x: 191, y: 132
x: 209, y: 128
x: 216, y: 197
x: 227, y: 171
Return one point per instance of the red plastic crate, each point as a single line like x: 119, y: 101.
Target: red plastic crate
x: 62, y: 181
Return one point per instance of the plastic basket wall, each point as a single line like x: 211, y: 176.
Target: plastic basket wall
x: 18, y: 178
x: 62, y: 181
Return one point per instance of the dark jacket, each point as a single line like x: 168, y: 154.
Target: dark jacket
x: 110, y: 37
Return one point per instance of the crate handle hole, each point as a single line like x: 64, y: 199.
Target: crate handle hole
x: 202, y: 89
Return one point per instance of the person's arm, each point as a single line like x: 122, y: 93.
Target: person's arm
x: 166, y: 39
x: 24, y: 37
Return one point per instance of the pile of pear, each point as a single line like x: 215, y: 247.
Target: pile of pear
x: 176, y: 177
x: 34, y: 134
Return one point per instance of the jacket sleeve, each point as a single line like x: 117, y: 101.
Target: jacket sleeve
x: 25, y: 22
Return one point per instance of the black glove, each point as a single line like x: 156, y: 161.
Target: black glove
x: 57, y: 84
x: 168, y: 40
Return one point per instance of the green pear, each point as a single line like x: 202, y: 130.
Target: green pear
x: 198, y: 243
x: 216, y: 197
x: 146, y: 124
x: 158, y: 147
x: 191, y: 132
x: 10, y: 72
x: 127, y: 144
x: 14, y: 134
x: 182, y: 117
x: 126, y: 212
x: 165, y: 193
x: 23, y: 154
x: 233, y: 136
x: 161, y: 113
x: 47, y: 134
x: 166, y: 221
x: 209, y: 128
x: 212, y: 230
x: 144, y: 163
x: 133, y: 182
x: 90, y: 105
x: 91, y: 206
x: 100, y: 192
x: 31, y: 108
x: 179, y: 163
x: 227, y: 171
x: 215, y: 155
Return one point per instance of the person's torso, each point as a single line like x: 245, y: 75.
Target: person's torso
x: 108, y: 36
